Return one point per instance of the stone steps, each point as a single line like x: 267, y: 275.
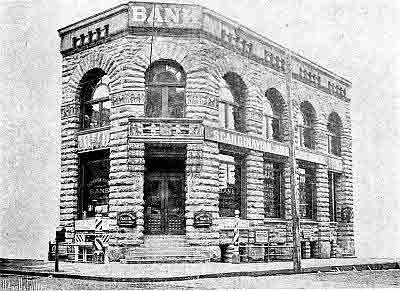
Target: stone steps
x: 166, y: 249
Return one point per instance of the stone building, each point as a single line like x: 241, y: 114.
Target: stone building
x: 174, y: 116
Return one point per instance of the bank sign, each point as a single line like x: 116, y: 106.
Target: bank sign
x: 164, y: 15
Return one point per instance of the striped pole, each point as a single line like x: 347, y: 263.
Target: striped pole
x: 235, y: 255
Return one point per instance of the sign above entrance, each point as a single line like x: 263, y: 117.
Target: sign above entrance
x: 164, y: 15
x: 126, y: 219
x: 245, y: 141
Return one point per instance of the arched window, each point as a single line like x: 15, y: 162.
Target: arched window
x: 273, y: 110
x: 95, y: 99
x: 306, y: 120
x: 165, y: 90
x: 231, y: 103
x: 334, y: 133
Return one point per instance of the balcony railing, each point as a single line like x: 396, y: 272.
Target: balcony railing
x: 166, y: 129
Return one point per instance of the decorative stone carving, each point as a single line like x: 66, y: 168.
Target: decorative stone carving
x: 202, y: 100
x: 347, y: 214
x: 128, y: 97
x: 69, y: 110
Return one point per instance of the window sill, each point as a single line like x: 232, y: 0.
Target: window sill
x: 308, y: 221
x: 275, y: 220
x: 91, y: 130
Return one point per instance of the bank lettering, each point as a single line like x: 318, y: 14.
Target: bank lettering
x: 163, y: 15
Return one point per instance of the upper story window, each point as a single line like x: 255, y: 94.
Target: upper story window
x: 306, y: 124
x: 231, y: 105
x: 165, y: 90
x: 273, y: 110
x: 334, y: 133
x: 95, y: 99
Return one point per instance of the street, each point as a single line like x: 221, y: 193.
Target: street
x: 370, y: 279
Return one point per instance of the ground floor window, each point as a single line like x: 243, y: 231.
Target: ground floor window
x: 333, y: 181
x: 231, y: 194
x: 307, y: 191
x: 94, y: 183
x: 273, y: 189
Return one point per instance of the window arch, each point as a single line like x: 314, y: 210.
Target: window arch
x: 165, y: 90
x: 306, y: 123
x: 334, y: 134
x: 231, y: 103
x: 273, y: 111
x: 95, y: 99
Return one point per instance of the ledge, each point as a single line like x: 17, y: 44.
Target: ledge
x: 91, y: 130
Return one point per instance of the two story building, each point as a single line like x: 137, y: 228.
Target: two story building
x: 174, y: 116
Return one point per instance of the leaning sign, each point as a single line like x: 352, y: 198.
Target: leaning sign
x: 164, y: 15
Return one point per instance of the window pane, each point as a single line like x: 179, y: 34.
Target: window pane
x: 222, y: 114
x: 153, y: 102
x: 101, y: 92
x: 229, y: 185
x: 230, y: 117
x: 105, y: 113
x: 276, y: 131
x: 91, y: 115
x: 272, y: 189
x: 176, y: 102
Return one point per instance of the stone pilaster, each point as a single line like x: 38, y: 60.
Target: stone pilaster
x: 254, y: 187
x: 322, y: 204
x: 321, y: 138
x: 345, y: 230
x: 69, y: 170
x: 126, y: 185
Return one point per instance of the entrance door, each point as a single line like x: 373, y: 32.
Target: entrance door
x: 164, y: 211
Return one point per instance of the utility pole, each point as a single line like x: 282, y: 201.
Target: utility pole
x: 292, y: 160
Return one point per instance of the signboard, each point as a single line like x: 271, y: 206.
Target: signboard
x: 262, y: 236
x: 245, y: 141
x: 228, y: 223
x: 126, y: 219
x: 90, y: 224
x: 94, y: 140
x: 164, y: 15
x: 202, y: 219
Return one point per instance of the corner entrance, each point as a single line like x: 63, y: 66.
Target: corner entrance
x: 164, y: 190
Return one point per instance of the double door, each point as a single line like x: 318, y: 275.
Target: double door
x: 164, y: 196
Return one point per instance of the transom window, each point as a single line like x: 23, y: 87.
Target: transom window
x: 273, y: 115
x: 334, y: 133
x: 273, y: 189
x: 231, y: 105
x: 306, y: 132
x: 165, y: 90
x: 307, y: 191
x: 230, y: 184
x: 95, y: 99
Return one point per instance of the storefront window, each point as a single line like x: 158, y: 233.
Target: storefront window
x: 165, y: 90
x: 307, y: 191
x: 95, y: 99
x: 333, y: 180
x: 94, y: 171
x: 230, y: 185
x: 273, y: 190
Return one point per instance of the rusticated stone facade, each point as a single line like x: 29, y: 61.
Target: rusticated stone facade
x: 206, y: 48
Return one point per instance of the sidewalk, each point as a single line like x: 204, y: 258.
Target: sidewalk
x: 175, y: 272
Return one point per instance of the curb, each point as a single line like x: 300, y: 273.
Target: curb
x: 308, y: 270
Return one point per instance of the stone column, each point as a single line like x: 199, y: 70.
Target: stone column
x: 322, y: 204
x: 202, y: 193
x: 69, y: 168
x: 345, y: 196
x: 254, y: 187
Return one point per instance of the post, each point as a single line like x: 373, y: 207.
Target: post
x: 292, y: 160
x: 56, y: 258
x: 235, y: 255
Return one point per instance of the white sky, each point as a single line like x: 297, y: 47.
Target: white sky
x: 358, y: 39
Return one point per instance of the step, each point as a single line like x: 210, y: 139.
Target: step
x: 165, y: 259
